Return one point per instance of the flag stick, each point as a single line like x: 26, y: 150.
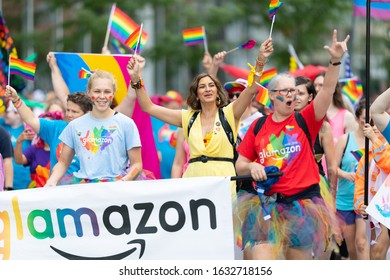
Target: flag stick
x: 9, y: 69
x: 367, y: 143
x: 232, y: 50
x: 109, y: 25
x: 206, y: 49
x: 272, y: 25
x: 139, y: 38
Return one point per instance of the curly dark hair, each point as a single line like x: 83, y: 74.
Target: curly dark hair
x: 82, y: 99
x: 193, y: 101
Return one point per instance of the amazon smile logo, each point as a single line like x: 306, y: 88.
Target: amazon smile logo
x: 124, y: 220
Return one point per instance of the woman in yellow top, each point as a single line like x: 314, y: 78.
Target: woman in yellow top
x: 211, y: 153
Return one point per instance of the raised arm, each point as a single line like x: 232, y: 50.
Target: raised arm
x: 25, y: 113
x: 170, y: 116
x: 325, y: 95
x: 378, y: 110
x: 216, y: 62
x: 61, y: 89
x: 245, y: 98
x: 126, y: 107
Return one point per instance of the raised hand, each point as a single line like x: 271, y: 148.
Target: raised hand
x: 11, y: 93
x: 133, y: 68
x: 266, y: 48
x: 337, y: 49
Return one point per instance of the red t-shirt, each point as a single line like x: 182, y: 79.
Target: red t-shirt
x: 285, y: 145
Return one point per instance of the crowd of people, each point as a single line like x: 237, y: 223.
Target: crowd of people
x: 309, y: 136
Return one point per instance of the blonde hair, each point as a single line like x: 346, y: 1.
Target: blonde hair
x: 100, y: 74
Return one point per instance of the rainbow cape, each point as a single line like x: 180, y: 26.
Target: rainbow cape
x: 274, y: 6
x: 22, y: 68
x: 353, y: 89
x: 193, y: 36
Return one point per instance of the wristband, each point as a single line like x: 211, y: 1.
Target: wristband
x: 18, y: 103
x: 137, y: 85
x: 334, y: 63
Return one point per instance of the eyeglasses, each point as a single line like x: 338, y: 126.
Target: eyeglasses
x: 231, y: 95
x: 285, y: 91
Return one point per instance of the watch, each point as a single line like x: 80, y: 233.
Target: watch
x: 138, y: 84
x: 334, y: 63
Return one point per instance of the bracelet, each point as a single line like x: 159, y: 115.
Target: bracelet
x: 18, y: 103
x: 261, y: 62
x: 17, y: 100
x: 137, y: 85
x: 334, y: 63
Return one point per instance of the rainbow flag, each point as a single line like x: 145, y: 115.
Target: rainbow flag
x: 262, y: 96
x: 358, y: 154
x: 353, y: 89
x: 84, y: 74
x: 378, y: 9
x: 267, y: 76
x: 117, y: 46
x: 132, y: 41
x: 274, y: 6
x: 193, y: 36
x: 22, y: 68
x: 122, y: 26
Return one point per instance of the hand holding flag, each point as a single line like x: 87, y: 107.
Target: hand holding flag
x: 247, y: 45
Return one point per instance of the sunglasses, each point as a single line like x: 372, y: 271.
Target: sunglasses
x: 231, y: 95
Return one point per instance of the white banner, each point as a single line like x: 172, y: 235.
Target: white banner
x: 176, y: 219
x: 379, y: 206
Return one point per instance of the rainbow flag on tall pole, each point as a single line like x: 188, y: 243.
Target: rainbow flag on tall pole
x: 21, y: 68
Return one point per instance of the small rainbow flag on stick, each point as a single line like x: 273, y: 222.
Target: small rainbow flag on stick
x: 267, y: 76
x: 84, y: 73
x: 195, y: 36
x: 274, y: 6
x: 21, y: 68
x: 121, y: 26
x: 262, y: 96
x: 247, y: 45
x: 358, y: 154
x: 135, y: 40
x: 353, y: 89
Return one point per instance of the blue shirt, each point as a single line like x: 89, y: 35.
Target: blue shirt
x: 50, y: 131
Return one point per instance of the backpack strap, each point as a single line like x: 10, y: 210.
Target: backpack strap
x: 191, y: 122
x: 259, y: 124
x: 226, y: 126
x: 345, y: 148
x: 302, y: 124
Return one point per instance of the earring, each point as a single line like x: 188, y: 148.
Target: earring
x: 218, y: 101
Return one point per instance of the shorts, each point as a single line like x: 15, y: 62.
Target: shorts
x: 349, y: 216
